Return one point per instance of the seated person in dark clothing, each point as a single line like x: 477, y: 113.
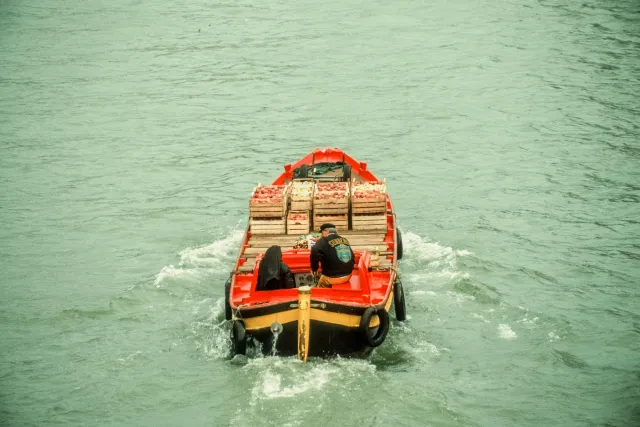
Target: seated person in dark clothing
x: 335, y: 255
x: 273, y: 273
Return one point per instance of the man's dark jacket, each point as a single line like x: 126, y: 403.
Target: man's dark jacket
x: 328, y: 251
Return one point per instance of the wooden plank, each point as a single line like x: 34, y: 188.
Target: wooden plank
x: 269, y: 231
x: 330, y: 217
x: 264, y: 221
x: 331, y: 202
x: 297, y: 230
x: 290, y: 244
x: 332, y: 212
x: 369, y: 218
x: 267, y: 208
x: 370, y: 227
x: 253, y: 251
x: 273, y: 228
x: 266, y: 214
x: 304, y: 205
x: 347, y: 233
x: 369, y: 209
x: 373, y: 236
x: 268, y: 226
x: 338, y: 224
x: 368, y: 222
x: 251, y: 263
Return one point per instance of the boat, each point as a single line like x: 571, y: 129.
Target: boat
x: 347, y: 320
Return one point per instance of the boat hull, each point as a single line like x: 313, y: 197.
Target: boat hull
x: 326, y: 340
x: 335, y: 329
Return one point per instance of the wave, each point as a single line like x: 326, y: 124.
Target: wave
x: 194, y: 262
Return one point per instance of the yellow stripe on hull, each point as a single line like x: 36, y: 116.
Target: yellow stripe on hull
x: 283, y: 317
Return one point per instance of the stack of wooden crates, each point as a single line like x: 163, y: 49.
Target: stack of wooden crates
x: 268, y: 209
x: 298, y: 219
x: 331, y: 205
x: 369, y: 206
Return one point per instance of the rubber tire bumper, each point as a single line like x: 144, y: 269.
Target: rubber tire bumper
x: 399, y: 302
x: 227, y: 300
x: 371, y: 339
x: 238, y: 337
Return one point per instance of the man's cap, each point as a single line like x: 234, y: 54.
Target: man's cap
x: 326, y: 226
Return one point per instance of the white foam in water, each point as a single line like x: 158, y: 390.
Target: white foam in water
x: 171, y: 272
x: 416, y: 293
x: 215, y: 254
x: 553, y: 336
x: 216, y: 343
x: 505, y: 331
x: 436, y: 264
x: 426, y: 347
x: 479, y: 316
x: 460, y: 298
x: 416, y: 247
x: 279, y: 378
x: 220, y: 253
x: 528, y: 321
x: 270, y: 385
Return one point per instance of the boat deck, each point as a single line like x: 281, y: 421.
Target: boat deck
x: 360, y: 241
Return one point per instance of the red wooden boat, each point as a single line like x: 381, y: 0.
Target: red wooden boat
x: 349, y: 319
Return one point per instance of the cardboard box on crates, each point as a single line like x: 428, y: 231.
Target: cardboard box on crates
x: 298, y: 222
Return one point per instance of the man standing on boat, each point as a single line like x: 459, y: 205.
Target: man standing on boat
x: 334, y: 253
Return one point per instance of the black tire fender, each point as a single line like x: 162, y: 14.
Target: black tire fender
x: 399, y: 302
x: 346, y: 172
x: 227, y: 300
x: 399, y: 243
x: 304, y: 171
x: 374, y: 340
x: 238, y: 337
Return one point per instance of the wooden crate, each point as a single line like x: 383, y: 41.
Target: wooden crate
x: 267, y: 225
x: 301, y: 195
x: 375, y: 221
x: 331, y: 198
x: 269, y: 208
x: 375, y: 200
x: 296, y: 224
x: 369, y: 206
x: 341, y: 221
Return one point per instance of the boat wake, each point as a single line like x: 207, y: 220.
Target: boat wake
x: 277, y: 382
x: 196, y: 262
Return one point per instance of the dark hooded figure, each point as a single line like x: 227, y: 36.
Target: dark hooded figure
x: 273, y: 273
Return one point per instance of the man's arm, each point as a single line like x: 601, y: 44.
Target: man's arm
x: 315, y: 257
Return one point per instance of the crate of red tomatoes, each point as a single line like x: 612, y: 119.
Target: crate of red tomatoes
x: 368, y: 197
x: 298, y: 222
x: 269, y: 201
x: 331, y: 198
